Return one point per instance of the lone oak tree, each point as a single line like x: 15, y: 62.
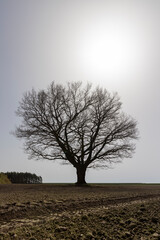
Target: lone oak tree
x: 76, y: 124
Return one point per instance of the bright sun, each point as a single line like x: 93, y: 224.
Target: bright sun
x: 110, y: 53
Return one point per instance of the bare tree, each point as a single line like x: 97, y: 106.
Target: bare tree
x: 76, y: 124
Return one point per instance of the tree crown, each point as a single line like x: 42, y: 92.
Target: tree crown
x: 76, y: 124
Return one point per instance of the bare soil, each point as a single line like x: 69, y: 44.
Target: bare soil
x: 58, y: 212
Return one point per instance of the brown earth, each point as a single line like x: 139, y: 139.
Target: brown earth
x: 50, y: 211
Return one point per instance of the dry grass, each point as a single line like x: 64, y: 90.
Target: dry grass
x: 4, y: 179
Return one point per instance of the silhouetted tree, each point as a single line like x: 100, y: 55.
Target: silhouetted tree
x: 76, y: 124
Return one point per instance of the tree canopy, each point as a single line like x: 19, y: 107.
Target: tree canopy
x: 77, y: 124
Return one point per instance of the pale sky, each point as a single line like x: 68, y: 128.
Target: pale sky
x: 111, y: 43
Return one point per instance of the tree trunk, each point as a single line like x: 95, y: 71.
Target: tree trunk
x: 81, y: 172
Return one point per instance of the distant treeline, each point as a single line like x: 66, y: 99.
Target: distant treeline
x: 20, y: 177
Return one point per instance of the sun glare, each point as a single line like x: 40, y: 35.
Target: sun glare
x: 110, y: 53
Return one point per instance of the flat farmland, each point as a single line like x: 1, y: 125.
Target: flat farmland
x: 65, y: 211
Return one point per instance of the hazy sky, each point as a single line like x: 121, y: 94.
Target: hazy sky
x: 115, y: 44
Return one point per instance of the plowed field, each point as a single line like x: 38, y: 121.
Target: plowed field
x: 58, y: 212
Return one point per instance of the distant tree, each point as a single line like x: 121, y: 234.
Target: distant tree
x: 76, y: 124
x: 20, y: 177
